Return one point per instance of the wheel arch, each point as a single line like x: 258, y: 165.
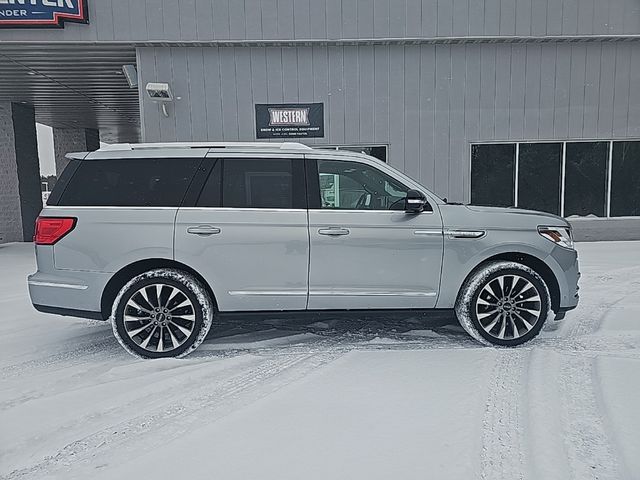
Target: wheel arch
x: 122, y: 276
x: 533, y: 262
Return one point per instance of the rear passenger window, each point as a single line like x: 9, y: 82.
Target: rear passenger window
x: 130, y: 182
x: 255, y: 183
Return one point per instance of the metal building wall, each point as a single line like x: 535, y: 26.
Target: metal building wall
x: 211, y: 20
x: 428, y: 102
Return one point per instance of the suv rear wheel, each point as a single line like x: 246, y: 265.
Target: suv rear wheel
x: 503, y: 303
x: 162, y: 313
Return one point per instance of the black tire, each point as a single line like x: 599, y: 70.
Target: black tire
x: 498, y: 302
x: 162, y: 313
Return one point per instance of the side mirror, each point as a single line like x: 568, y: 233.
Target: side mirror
x: 415, y: 202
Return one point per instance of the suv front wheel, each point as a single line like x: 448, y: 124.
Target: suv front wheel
x: 503, y: 303
x: 162, y: 313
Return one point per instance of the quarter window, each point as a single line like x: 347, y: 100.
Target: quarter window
x: 130, y: 182
x: 357, y: 186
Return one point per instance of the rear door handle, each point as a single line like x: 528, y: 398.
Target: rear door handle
x: 203, y: 230
x: 334, y: 231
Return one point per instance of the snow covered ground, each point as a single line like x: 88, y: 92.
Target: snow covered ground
x: 354, y: 403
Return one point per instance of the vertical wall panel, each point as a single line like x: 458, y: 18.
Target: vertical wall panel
x: 460, y: 18
x: 445, y: 20
x: 442, y: 126
x: 634, y: 94
x: 221, y: 29
x: 229, y: 94
x: 561, y: 99
x: 430, y: 16
x: 502, y: 90
x: 366, y: 92
x: 507, y: 17
x: 491, y: 17
x: 605, y: 102
x: 290, y: 82
x: 171, y: 20
x: 539, y: 17
x: 318, y: 17
x: 414, y: 18
x: 554, y: 17
x: 523, y: 17
x: 305, y: 74
x: 334, y: 18
x: 351, y: 95
x: 381, y: 23
x: 204, y: 19
x: 198, y: 111
x: 427, y: 114
x: 411, y: 110
x: 471, y: 112
x: 576, y: 89
x: 244, y: 96
x: 517, y: 93
x: 269, y: 19
x: 274, y: 75
x: 585, y: 16
x: 488, y: 79
x: 164, y: 70
x: 365, y: 18
x: 212, y: 95
x: 301, y: 19
x: 621, y: 90
x: 457, y: 145
x: 398, y: 19
x: 382, y: 93
x: 336, y: 96
x: 187, y: 23
x: 396, y: 106
x: 532, y: 91
x: 285, y: 19
x: 591, y: 91
x: 350, y: 19
x: 570, y: 17
x: 182, y: 98
x: 547, y: 90
x: 252, y: 19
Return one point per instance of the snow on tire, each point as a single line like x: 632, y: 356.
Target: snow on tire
x: 503, y: 303
x: 162, y: 313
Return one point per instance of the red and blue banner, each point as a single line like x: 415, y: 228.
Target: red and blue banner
x: 42, y: 13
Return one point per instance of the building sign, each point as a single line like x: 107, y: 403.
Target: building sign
x: 42, y: 13
x: 293, y: 120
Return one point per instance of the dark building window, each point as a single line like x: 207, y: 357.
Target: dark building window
x: 131, y: 182
x: 585, y: 185
x: 492, y: 174
x: 625, y: 179
x: 539, y: 174
x: 599, y: 178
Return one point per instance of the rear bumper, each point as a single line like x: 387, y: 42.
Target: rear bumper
x: 68, y: 291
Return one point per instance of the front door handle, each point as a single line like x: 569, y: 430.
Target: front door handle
x: 334, y: 231
x: 203, y: 230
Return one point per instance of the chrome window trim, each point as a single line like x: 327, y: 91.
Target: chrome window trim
x: 341, y: 293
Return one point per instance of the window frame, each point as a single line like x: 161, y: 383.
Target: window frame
x: 608, y: 167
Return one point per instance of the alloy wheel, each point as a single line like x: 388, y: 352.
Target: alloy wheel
x: 508, y: 307
x: 159, y: 317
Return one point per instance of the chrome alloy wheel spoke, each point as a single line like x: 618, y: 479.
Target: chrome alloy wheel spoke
x: 169, y: 323
x: 508, y: 307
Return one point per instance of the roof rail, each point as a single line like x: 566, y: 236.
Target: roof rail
x: 239, y: 145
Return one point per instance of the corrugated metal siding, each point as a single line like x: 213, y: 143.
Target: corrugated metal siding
x: 428, y: 102
x: 207, y: 20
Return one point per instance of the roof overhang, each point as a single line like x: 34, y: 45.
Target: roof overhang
x: 74, y: 86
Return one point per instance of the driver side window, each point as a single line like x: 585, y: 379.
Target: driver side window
x: 356, y: 186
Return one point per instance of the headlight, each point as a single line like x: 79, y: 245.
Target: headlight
x: 559, y: 235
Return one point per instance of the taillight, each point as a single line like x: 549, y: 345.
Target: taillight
x: 49, y: 230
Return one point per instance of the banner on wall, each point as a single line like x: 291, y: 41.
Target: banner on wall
x: 42, y: 13
x: 291, y: 120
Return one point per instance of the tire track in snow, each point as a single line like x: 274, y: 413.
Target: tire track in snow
x: 142, y: 433
x: 589, y: 450
x: 502, y: 455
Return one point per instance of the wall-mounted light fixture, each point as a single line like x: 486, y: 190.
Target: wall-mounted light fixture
x: 161, y: 93
x: 131, y: 74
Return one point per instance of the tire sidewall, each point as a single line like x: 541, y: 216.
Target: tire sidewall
x: 162, y: 277
x: 512, y: 269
